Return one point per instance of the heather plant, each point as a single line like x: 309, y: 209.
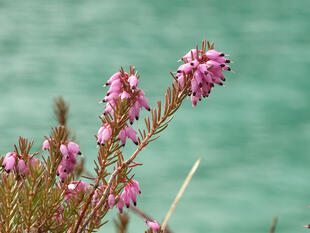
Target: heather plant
x: 44, y: 191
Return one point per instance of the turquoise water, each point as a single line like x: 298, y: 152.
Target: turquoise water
x: 253, y: 136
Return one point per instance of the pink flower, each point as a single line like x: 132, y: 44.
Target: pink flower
x: 143, y: 102
x: 68, y: 162
x: 114, y: 77
x: 111, y: 200
x: 21, y: 165
x: 104, y: 133
x: 9, y: 161
x: 75, y: 188
x: 74, y: 148
x: 154, y: 225
x: 14, y: 161
x: 95, y: 199
x: 204, y: 69
x: 64, y: 150
x: 133, y: 81
x: 134, y: 112
x: 213, y: 54
x: 136, y: 186
x: 65, y: 167
x: 120, y: 204
x: 128, y: 132
x: 125, y: 95
x: 123, y: 86
x: 78, y: 186
x: 45, y: 145
x: 188, y: 56
x: 128, y: 195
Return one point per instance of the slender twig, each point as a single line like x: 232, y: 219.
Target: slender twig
x: 273, y: 225
x: 186, y: 182
x: 143, y: 215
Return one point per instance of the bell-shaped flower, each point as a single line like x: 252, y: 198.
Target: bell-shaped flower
x: 104, y: 133
x: 111, y: 200
x: 154, y: 225
x: 128, y: 132
x: 133, y: 81
x: 45, y: 145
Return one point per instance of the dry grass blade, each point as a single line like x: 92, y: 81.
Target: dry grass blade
x: 273, y: 225
x: 179, y: 195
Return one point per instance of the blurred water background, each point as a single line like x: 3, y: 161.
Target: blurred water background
x: 253, y: 136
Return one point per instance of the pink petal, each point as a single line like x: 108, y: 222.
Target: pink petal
x: 122, y: 136
x: 64, y: 150
x: 133, y: 81
x: 73, y: 148
x: 45, y: 145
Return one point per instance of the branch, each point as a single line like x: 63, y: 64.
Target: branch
x: 107, y: 190
x: 173, y: 100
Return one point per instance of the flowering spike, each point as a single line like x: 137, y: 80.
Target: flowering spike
x: 124, y: 87
x: 204, y: 69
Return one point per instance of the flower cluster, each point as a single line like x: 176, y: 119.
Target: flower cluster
x: 129, y: 194
x: 77, y: 206
x: 204, y: 68
x: 124, y: 86
x: 14, y: 161
x: 68, y: 161
x: 105, y: 132
x: 69, y: 153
